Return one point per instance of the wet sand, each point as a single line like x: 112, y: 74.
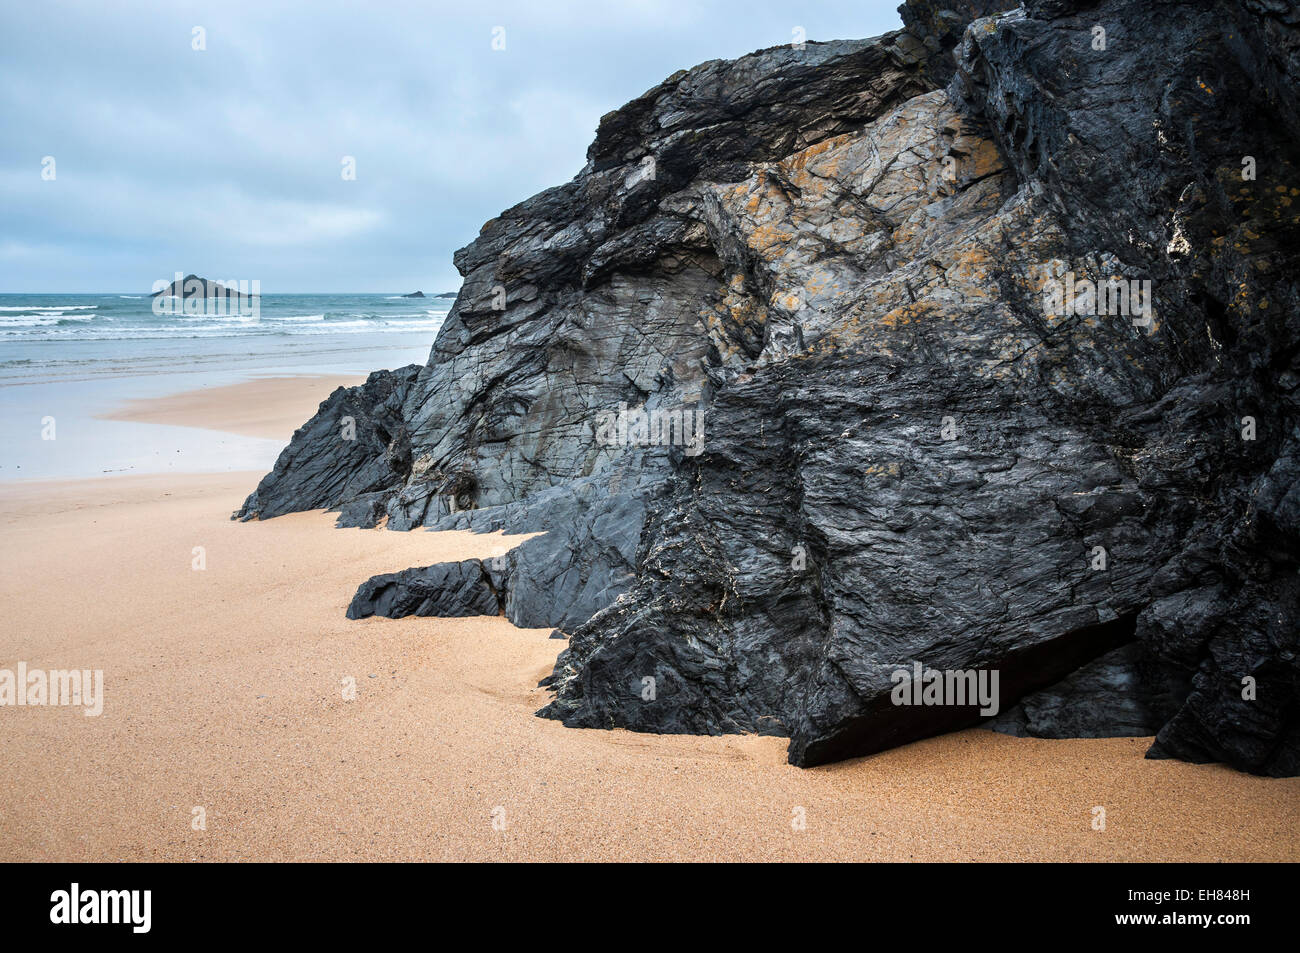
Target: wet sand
x: 263, y: 407
x: 224, y: 690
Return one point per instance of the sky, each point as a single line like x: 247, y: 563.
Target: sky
x: 141, y: 139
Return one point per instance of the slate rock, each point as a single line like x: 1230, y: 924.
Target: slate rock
x: 447, y: 589
x: 1112, y: 696
x: 356, y: 444
x: 840, y: 255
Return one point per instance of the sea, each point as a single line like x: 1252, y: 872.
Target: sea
x: 68, y: 358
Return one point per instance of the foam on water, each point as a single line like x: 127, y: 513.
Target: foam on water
x: 73, y: 357
x: 38, y: 309
x: 45, y: 337
x: 51, y: 318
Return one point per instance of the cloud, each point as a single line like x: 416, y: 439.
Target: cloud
x: 227, y: 160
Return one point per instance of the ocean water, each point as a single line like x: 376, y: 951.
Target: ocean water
x: 48, y: 337
x: 73, y: 357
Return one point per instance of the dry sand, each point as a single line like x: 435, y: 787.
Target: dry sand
x: 224, y: 690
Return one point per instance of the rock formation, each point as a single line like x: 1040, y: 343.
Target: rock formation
x: 992, y: 322
x: 192, y: 286
x: 352, y: 454
x: 414, y: 294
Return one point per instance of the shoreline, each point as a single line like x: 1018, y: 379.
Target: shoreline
x: 257, y: 407
x: 138, y: 424
x: 224, y: 690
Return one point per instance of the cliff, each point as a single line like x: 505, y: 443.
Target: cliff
x: 992, y: 325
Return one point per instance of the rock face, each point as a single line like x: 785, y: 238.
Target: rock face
x: 355, y: 454
x: 453, y: 589
x: 992, y: 325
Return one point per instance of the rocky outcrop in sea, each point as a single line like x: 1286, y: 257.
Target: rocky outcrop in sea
x: 192, y: 286
x: 971, y: 348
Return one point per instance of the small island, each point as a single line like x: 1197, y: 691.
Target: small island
x: 192, y: 286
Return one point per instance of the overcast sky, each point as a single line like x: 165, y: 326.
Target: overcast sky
x: 227, y: 161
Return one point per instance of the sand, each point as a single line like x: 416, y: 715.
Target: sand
x: 224, y: 691
x: 263, y: 407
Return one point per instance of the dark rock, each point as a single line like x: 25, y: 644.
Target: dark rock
x: 935, y: 27
x: 447, y: 589
x: 414, y: 294
x: 1113, y: 696
x: 356, y: 445
x: 1216, y: 84
x: 584, y: 559
x: 365, y: 511
x: 839, y: 254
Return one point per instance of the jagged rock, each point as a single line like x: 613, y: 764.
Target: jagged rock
x: 585, y: 558
x: 447, y: 589
x: 840, y: 254
x: 539, y: 340
x: 355, y: 446
x: 935, y: 27
x: 365, y: 511
x: 1144, y: 151
x: 414, y: 294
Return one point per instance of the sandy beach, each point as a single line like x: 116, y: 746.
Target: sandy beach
x: 225, y: 691
x: 256, y: 408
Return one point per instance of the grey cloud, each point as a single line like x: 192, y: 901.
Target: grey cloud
x: 227, y: 161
